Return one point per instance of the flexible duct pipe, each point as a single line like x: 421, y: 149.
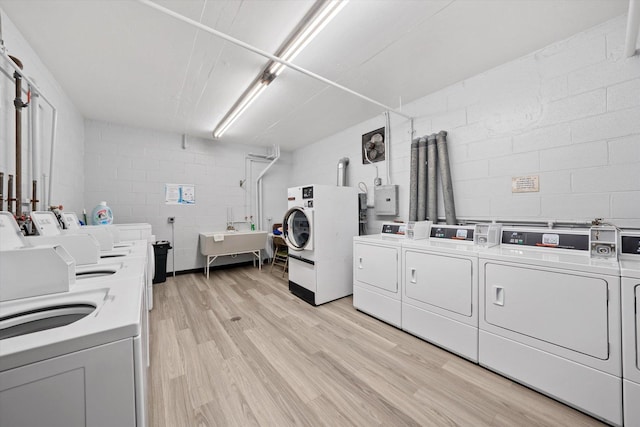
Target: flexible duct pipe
x: 445, y: 177
x: 413, y: 182
x: 422, y: 179
x: 432, y: 179
x: 342, y: 172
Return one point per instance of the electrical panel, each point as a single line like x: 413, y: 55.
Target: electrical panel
x: 386, y: 199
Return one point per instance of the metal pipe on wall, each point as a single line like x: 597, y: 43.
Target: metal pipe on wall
x: 445, y: 177
x: 422, y: 179
x: 10, y: 198
x: 276, y: 149
x: 633, y: 27
x: 342, y: 172
x: 54, y: 128
x: 432, y: 179
x: 18, y: 105
x: 54, y: 122
x: 1, y: 191
x: 36, y: 167
x: 413, y: 182
x: 265, y: 54
x: 387, y: 145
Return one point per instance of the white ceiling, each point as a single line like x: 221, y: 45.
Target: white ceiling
x: 123, y: 62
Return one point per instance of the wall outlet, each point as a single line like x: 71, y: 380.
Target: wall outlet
x: 171, y: 219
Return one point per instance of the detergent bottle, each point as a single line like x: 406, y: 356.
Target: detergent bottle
x: 102, y: 214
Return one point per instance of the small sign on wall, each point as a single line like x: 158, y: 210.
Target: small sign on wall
x: 525, y: 184
x: 180, y: 194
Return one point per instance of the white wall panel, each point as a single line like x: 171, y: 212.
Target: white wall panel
x: 568, y: 113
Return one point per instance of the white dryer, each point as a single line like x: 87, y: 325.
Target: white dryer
x: 630, y: 276
x: 550, y: 317
x: 440, y: 288
x: 377, y: 273
x: 319, y: 228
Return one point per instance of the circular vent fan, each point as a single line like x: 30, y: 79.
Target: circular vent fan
x: 374, y: 148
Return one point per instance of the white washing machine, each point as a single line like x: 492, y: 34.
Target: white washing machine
x: 440, y: 287
x: 550, y: 316
x: 319, y: 228
x: 377, y: 273
x: 70, y: 339
x: 630, y: 276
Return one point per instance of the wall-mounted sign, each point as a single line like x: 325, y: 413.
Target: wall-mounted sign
x: 180, y: 194
x: 525, y: 184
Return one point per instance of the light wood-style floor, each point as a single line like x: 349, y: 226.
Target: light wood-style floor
x: 286, y: 363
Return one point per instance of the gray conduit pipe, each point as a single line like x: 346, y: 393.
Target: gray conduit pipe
x: 432, y: 179
x: 413, y: 182
x: 445, y: 177
x: 422, y: 179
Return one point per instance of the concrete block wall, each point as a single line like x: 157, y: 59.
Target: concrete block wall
x: 568, y: 113
x: 68, y: 172
x: 129, y: 167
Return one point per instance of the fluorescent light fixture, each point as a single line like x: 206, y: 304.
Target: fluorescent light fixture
x: 317, y: 18
x: 316, y: 24
x: 239, y: 107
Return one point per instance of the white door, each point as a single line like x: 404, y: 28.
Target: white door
x: 443, y: 281
x: 563, y: 309
x: 376, y: 266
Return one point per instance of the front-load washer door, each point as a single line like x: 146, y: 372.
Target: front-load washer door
x: 297, y: 227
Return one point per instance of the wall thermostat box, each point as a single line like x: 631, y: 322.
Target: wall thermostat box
x: 603, y: 242
x: 386, y: 199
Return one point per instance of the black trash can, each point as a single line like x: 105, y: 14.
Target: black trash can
x: 160, y: 250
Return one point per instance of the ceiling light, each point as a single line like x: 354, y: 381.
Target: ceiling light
x: 321, y: 17
x: 316, y: 19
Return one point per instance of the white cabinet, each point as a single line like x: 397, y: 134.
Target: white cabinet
x: 93, y: 387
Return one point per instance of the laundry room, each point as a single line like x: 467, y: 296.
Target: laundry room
x: 319, y: 212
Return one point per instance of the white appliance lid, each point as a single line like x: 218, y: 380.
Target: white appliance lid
x: 46, y: 223
x: 10, y: 235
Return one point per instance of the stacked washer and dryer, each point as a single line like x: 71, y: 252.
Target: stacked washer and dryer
x: 318, y: 228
